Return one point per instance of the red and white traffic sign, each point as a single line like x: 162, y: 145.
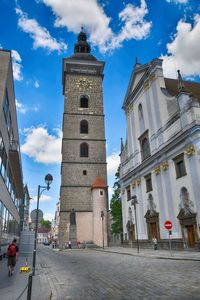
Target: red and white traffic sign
x: 168, y: 225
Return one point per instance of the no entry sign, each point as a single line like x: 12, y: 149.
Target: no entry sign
x: 168, y: 225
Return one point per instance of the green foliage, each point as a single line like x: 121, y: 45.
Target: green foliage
x: 45, y: 224
x: 116, y: 207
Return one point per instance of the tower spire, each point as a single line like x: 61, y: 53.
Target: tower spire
x: 181, y: 85
x: 82, y: 45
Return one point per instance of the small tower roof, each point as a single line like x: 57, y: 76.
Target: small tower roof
x: 99, y: 183
x: 181, y: 85
x: 82, y: 48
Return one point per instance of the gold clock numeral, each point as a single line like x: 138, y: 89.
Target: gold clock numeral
x: 83, y: 83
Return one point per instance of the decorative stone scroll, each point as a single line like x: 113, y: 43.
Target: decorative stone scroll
x: 157, y: 170
x: 165, y: 165
x: 190, y: 150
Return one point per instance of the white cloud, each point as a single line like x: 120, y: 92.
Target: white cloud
x: 135, y: 27
x: 43, y: 198
x: 35, y: 108
x: 41, y: 146
x: 36, y: 84
x: 40, y: 35
x: 178, y: 1
x: 23, y: 109
x: 48, y: 216
x: 89, y: 14
x: 16, y: 62
x: 183, y: 51
x: 113, y: 162
x: 20, y: 107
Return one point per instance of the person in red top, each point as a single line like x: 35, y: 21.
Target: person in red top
x: 12, y: 254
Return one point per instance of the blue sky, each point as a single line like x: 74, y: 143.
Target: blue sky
x: 41, y: 33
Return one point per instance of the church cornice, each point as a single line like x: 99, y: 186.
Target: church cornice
x: 150, y: 160
x: 85, y: 139
x: 84, y: 163
x: 85, y: 114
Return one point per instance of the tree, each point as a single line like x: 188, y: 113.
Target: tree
x: 116, y: 207
x: 45, y: 224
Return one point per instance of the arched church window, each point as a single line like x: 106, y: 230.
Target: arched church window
x: 145, y: 148
x: 84, y: 102
x: 84, y: 126
x: 84, y: 150
x: 140, y: 111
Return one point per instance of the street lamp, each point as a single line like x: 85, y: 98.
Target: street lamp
x: 102, y: 218
x: 134, y: 202
x: 48, y: 180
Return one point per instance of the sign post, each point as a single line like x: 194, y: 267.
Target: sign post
x: 168, y: 225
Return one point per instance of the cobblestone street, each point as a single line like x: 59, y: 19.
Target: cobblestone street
x: 89, y: 274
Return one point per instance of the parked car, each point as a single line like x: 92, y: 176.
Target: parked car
x: 46, y: 243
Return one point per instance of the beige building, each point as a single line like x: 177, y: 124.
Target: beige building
x: 83, y: 193
x: 160, y: 160
x: 11, y: 184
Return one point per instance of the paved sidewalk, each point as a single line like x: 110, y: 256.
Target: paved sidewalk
x: 11, y: 288
x: 156, y: 254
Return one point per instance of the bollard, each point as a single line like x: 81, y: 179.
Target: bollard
x: 30, y: 279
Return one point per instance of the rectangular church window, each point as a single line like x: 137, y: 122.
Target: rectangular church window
x: 180, y: 166
x: 84, y: 172
x: 148, y: 183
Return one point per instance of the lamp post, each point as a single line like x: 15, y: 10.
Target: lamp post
x: 48, y: 180
x: 102, y: 218
x: 134, y: 202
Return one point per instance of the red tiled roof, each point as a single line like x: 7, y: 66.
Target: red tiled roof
x: 190, y: 87
x: 99, y: 183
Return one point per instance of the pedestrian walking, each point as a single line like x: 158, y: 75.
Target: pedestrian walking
x: 12, y: 254
x: 78, y: 244
x: 70, y: 245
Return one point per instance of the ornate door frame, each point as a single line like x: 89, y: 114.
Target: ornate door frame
x: 152, y: 217
x: 187, y: 218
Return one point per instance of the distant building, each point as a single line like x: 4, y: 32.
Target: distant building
x: 43, y: 235
x: 11, y: 179
x: 160, y: 160
x: 55, y: 223
x: 83, y: 192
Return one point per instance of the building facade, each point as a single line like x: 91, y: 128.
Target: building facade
x: 11, y: 182
x: 83, y: 193
x: 55, y: 224
x: 160, y: 160
x: 24, y: 210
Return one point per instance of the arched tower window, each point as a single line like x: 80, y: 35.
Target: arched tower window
x: 84, y: 102
x: 140, y: 111
x: 141, y: 117
x: 84, y: 126
x: 84, y: 150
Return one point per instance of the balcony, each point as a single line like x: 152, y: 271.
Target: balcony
x: 15, y: 165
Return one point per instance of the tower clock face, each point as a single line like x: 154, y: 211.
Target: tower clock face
x: 83, y: 84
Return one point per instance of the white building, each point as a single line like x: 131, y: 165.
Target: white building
x: 160, y: 161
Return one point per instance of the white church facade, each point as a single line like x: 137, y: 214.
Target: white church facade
x: 160, y: 160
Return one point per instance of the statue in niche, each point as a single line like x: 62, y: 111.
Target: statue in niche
x: 73, y: 217
x: 130, y: 215
x: 151, y: 205
x: 186, y: 204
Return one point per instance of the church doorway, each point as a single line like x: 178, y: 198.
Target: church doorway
x: 191, y: 236
x: 187, y: 218
x: 153, y: 230
x: 152, y: 219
